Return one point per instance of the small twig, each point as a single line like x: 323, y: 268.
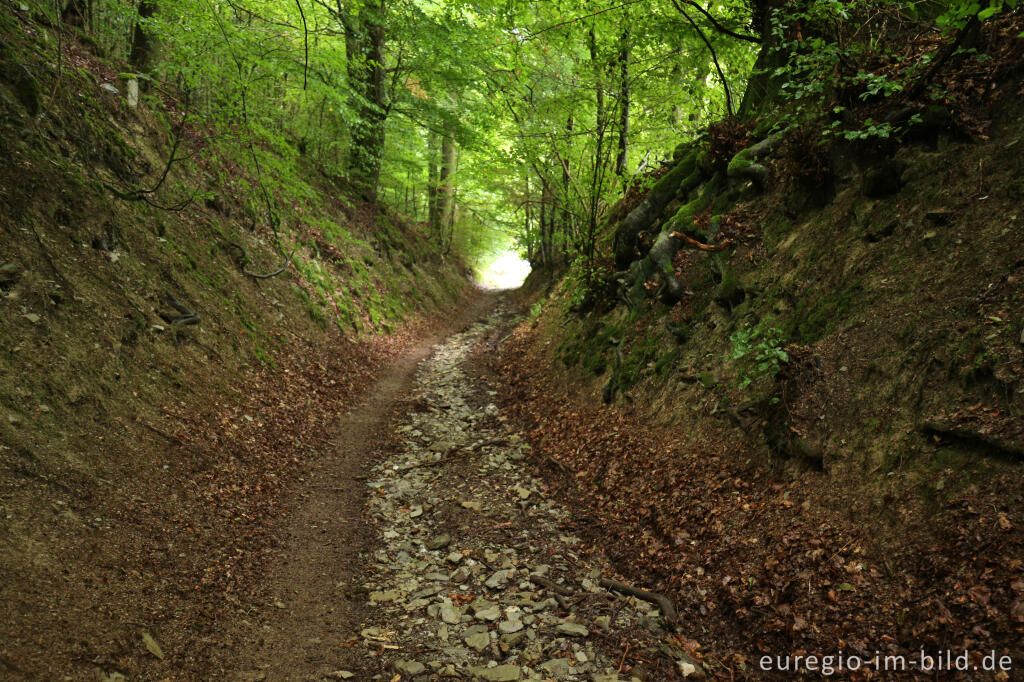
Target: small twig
x: 622, y: 662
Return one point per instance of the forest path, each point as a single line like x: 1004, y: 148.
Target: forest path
x: 471, y: 570
x: 313, y: 608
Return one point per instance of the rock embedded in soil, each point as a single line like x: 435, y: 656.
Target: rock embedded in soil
x: 439, y: 542
x: 409, y: 668
x: 573, y: 630
x: 501, y: 673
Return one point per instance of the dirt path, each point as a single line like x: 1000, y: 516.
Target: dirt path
x: 313, y: 606
x: 443, y: 556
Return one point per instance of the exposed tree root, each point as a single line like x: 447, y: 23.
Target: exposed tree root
x: 744, y: 165
x: 185, y: 316
x: 257, y: 275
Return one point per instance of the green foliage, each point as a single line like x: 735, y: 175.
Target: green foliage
x: 961, y: 11
x: 583, y: 280
x: 830, y: 52
x: 532, y: 95
x: 758, y: 351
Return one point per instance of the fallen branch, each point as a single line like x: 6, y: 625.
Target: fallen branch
x: 700, y: 246
x: 551, y: 585
x: 561, y: 591
x: 668, y: 611
x: 168, y: 436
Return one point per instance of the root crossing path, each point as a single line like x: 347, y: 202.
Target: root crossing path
x: 469, y: 570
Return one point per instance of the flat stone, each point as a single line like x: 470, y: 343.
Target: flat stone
x: 556, y: 667
x: 477, y: 637
x: 341, y: 675
x: 449, y: 614
x: 409, y: 668
x: 428, y: 591
x: 498, y: 579
x: 513, y: 639
x: 491, y: 613
x: 501, y: 673
x: 439, y: 542
x: 386, y: 595
x: 454, y: 557
x: 572, y: 630
x: 507, y: 627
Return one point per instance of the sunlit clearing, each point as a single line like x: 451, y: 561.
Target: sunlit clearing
x: 504, y: 270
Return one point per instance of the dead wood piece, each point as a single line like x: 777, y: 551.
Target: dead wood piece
x: 551, y: 585
x: 163, y: 434
x: 561, y: 591
x: 668, y: 611
x: 690, y: 241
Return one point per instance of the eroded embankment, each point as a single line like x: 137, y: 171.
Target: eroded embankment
x: 759, y: 562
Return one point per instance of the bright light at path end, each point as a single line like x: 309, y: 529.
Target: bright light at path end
x: 504, y: 271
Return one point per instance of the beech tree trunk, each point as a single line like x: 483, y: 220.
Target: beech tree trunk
x: 446, y: 184
x: 624, y: 96
x: 364, y: 47
x: 433, y: 214
x: 141, y: 55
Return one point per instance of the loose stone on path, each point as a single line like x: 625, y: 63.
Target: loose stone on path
x: 449, y: 593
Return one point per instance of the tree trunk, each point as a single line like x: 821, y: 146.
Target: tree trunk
x: 433, y: 213
x: 141, y: 55
x: 624, y: 96
x: 446, y: 186
x: 364, y: 47
x: 566, y: 215
x: 77, y: 13
x: 763, y: 87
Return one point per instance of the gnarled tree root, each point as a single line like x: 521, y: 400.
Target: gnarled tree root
x: 258, y: 275
x: 185, y: 316
x: 744, y: 165
x: 687, y: 173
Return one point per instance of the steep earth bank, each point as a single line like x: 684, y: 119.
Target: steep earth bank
x: 159, y: 400
x: 816, y: 432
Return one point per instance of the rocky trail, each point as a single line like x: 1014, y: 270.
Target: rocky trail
x: 469, y: 569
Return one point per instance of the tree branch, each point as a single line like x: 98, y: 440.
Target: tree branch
x: 718, y: 27
x: 714, y: 57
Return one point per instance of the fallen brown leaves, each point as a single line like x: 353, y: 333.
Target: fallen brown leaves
x: 758, y: 565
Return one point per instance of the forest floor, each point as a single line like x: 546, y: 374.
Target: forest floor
x: 445, y: 528
x: 425, y: 547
